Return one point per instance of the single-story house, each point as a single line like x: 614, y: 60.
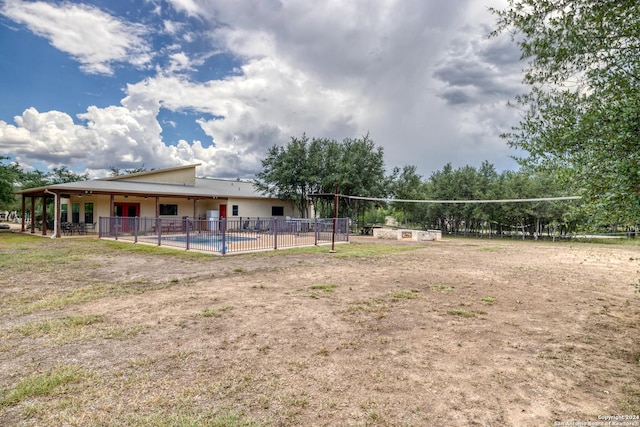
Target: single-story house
x: 173, y: 192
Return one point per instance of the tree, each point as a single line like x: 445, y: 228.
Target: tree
x: 285, y: 173
x: 10, y: 176
x: 582, y: 114
x: 304, y: 167
x: 406, y: 184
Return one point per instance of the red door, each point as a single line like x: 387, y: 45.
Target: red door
x: 126, y: 210
x: 223, y: 211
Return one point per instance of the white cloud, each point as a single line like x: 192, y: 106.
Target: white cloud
x: 190, y: 7
x: 420, y: 77
x: 400, y: 70
x: 93, y: 37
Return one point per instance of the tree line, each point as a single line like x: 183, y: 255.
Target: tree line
x: 307, y: 170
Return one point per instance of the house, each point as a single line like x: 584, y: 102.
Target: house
x: 174, y: 192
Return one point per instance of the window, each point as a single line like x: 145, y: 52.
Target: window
x: 171, y: 210
x: 88, y: 213
x: 64, y: 212
x: 277, y: 210
x: 75, y: 212
x: 234, y: 210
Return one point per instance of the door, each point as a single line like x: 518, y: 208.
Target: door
x: 126, y: 210
x: 223, y: 211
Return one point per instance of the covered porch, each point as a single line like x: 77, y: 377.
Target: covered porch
x: 65, y: 212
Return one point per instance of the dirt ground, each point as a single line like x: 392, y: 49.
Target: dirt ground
x: 460, y: 332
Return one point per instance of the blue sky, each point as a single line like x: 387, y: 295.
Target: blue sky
x: 92, y: 85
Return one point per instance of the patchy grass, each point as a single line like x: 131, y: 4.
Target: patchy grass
x: 329, y: 288
x: 91, y: 293
x: 65, y: 328
x: 371, y: 305
x: 461, y: 313
x: 358, y: 357
x: 405, y: 294
x: 352, y: 250
x: 190, y: 418
x: 631, y: 401
x: 216, y: 313
x: 38, y: 385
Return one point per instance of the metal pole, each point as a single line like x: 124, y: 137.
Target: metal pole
x: 335, y: 218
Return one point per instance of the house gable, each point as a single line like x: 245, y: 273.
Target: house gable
x: 183, y: 175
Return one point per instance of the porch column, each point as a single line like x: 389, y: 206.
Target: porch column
x: 57, y: 216
x: 111, y: 206
x: 44, y: 215
x: 195, y: 208
x: 157, y: 207
x: 24, y: 208
x: 31, y: 215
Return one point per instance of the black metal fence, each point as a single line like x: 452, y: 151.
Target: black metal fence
x: 224, y: 236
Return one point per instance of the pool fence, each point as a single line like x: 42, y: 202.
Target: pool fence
x: 222, y: 236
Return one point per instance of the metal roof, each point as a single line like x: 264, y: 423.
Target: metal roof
x: 205, y: 187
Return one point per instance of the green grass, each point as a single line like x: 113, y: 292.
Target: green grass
x: 38, y: 385
x: 216, y: 313
x: 65, y: 327
x: 461, y: 313
x: 91, y: 293
x: 488, y: 300
x: 73, y: 327
x: 371, y: 305
x: 405, y: 294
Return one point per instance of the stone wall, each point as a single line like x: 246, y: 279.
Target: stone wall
x: 419, y: 235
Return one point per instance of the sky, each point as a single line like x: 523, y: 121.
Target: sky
x: 101, y: 84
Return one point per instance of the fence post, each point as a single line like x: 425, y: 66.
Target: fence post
x: 315, y: 231
x: 274, y: 227
x: 223, y: 226
x: 136, y: 225
x: 187, y: 225
x: 159, y: 230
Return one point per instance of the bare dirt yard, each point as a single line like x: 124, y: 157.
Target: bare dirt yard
x: 461, y: 332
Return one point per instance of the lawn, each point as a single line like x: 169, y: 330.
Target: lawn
x: 457, y: 332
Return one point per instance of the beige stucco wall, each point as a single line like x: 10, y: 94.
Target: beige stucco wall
x: 171, y: 176
x: 258, y: 208
x: 246, y: 207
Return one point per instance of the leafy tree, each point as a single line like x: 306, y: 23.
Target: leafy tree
x: 10, y: 175
x: 59, y: 175
x: 582, y: 114
x: 285, y: 173
x: 63, y: 175
x: 304, y: 167
x: 406, y: 184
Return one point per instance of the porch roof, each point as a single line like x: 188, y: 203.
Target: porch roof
x: 204, y: 188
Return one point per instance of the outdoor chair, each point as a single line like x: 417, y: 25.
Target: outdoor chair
x: 66, y: 228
